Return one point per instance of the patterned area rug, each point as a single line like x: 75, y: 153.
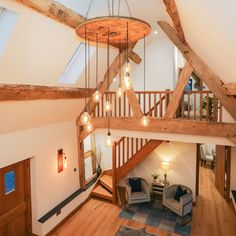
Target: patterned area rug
x: 153, y: 214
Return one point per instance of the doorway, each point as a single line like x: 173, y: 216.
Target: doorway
x: 15, y: 199
x: 215, y: 158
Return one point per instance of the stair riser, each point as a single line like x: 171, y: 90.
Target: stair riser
x: 106, y: 186
x: 102, y: 196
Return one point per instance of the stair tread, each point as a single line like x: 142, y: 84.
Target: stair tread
x: 102, y: 192
x: 107, y: 181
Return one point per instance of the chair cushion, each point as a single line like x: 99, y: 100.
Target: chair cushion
x: 135, y: 184
x: 139, y: 195
x: 179, y: 193
x: 209, y: 157
x: 171, y: 203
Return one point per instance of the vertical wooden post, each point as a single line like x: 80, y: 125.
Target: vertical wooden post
x: 81, y: 158
x: 228, y: 172
x: 167, y: 100
x: 114, y: 173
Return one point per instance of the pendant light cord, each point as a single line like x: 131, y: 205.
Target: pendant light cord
x: 90, y: 4
x: 108, y: 6
x: 108, y: 74
x: 85, y: 72
x: 88, y: 66
x: 127, y: 41
x: 128, y: 8
x: 97, y: 60
x: 144, y: 72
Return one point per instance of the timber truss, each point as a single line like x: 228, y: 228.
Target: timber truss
x: 167, y: 112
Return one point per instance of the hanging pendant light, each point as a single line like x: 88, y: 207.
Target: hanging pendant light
x: 97, y: 95
x: 119, y: 91
x: 85, y: 117
x: 89, y: 127
x: 109, y: 140
x: 127, y: 82
x: 145, y: 121
x: 108, y: 106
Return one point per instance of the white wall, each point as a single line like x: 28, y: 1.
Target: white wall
x: 159, y: 65
x: 48, y: 186
x: 182, y: 158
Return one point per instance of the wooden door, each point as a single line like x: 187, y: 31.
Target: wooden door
x: 15, y: 201
x: 222, y: 173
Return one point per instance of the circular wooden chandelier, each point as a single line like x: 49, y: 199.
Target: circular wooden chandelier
x: 117, y: 28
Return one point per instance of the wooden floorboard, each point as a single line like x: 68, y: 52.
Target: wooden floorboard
x: 211, y: 215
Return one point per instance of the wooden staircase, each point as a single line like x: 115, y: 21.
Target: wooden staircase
x: 104, y: 188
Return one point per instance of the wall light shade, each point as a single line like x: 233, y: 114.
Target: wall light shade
x: 97, y: 96
x: 65, y: 163
x: 108, y: 106
x: 145, y: 121
x: 85, y: 118
x: 165, y: 166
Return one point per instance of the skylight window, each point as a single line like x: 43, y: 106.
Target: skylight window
x: 76, y: 65
x: 7, y: 23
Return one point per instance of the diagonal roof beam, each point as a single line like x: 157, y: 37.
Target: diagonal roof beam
x: 179, y: 91
x: 172, y: 10
x: 134, y: 104
x: 64, y: 15
x: 212, y: 81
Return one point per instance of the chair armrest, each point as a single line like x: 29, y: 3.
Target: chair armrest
x: 145, y: 186
x: 169, y: 192
x: 128, y: 191
x: 185, y: 199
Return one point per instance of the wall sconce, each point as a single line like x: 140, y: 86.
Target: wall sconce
x: 61, y: 160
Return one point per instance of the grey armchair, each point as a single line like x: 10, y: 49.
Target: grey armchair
x: 138, y: 197
x: 182, y: 207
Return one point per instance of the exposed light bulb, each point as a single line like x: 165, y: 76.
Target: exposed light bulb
x: 127, y: 82
x: 97, y: 96
x: 127, y: 67
x: 89, y: 127
x: 119, y: 92
x: 144, y: 121
x: 65, y: 163
x: 109, y: 141
x: 85, y: 118
x: 108, y: 106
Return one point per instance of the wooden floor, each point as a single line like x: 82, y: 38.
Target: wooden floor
x: 211, y: 216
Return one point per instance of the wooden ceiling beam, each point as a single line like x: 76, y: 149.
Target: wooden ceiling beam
x: 16, y: 92
x: 64, y: 15
x: 174, y: 126
x: 179, y: 91
x: 212, y: 81
x: 172, y: 10
x: 230, y: 88
x: 55, y: 10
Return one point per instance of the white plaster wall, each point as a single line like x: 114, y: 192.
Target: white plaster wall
x: 182, y: 158
x: 48, y: 186
x: 159, y: 65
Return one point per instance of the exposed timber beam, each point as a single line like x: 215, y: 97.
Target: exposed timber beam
x: 174, y: 126
x: 111, y: 73
x: 15, y: 92
x: 64, y: 15
x: 230, y: 88
x: 212, y: 81
x: 172, y: 10
x: 179, y: 91
x: 134, y: 104
x: 55, y: 10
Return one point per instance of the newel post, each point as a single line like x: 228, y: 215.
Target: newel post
x: 114, y: 171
